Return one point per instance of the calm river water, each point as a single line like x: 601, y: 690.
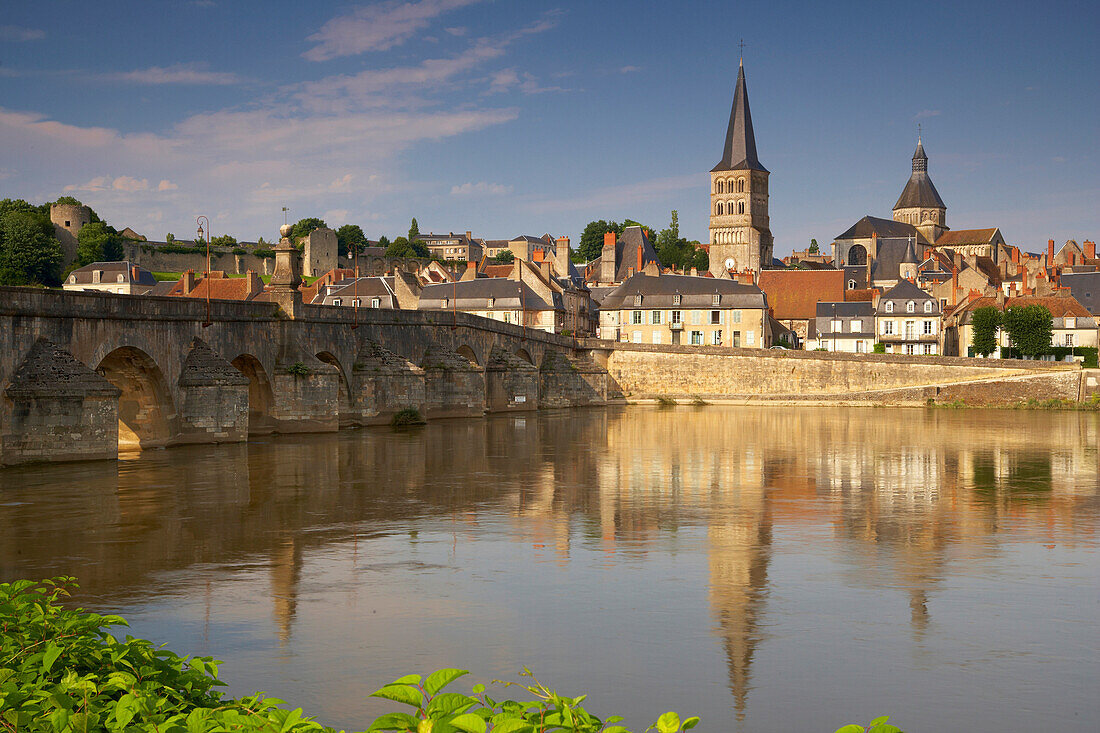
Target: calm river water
x: 770, y: 569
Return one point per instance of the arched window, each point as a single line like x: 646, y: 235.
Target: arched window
x: 927, y: 306
x: 889, y: 306
x: 721, y: 187
x: 851, y: 284
x: 910, y: 307
x: 740, y: 207
x: 857, y: 255
x: 718, y: 209
x: 740, y: 186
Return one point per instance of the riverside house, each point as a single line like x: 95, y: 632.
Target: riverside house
x: 685, y: 310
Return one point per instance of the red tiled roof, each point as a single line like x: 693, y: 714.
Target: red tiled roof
x: 795, y: 293
x: 496, y: 270
x: 221, y: 287
x: 859, y: 296
x: 1059, y: 306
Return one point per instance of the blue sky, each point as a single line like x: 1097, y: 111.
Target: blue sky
x: 527, y: 117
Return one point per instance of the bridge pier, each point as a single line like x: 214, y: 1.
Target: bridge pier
x: 214, y: 399
x: 568, y: 382
x: 306, y: 394
x: 510, y: 382
x: 59, y: 410
x: 383, y: 384
x: 454, y: 386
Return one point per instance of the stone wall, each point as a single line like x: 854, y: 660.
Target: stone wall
x: 156, y: 260
x: 641, y: 371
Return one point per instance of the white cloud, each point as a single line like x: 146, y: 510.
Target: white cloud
x: 481, y: 188
x: 16, y: 33
x: 166, y: 185
x: 376, y: 27
x: 335, y: 218
x: 128, y: 183
x: 927, y: 113
x: 457, y: 31
x: 176, y: 74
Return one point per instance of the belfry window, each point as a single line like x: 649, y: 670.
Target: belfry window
x: 740, y: 185
x: 740, y: 207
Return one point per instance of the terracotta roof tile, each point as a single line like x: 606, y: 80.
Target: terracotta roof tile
x: 794, y: 293
x: 966, y: 236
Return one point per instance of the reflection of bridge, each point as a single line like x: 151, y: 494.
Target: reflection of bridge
x: 82, y: 373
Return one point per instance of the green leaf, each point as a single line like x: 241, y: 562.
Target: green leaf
x: 876, y: 721
x: 668, y: 723
x: 447, y: 703
x: 441, y: 678
x: 853, y: 728
x: 511, y: 725
x: 469, y: 723
x: 479, y: 688
x: 409, y: 679
x: 394, y: 721
x: 406, y: 694
x: 615, y: 729
x: 884, y: 728
x: 690, y: 723
x: 53, y: 651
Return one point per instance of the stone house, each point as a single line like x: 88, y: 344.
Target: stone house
x: 649, y: 308
x: 362, y: 292
x: 319, y: 252
x: 1073, y: 324
x: 844, y: 326
x: 498, y: 299
x: 216, y: 284
x: 907, y: 320
x: 123, y: 277
x: 623, y: 256
x: 455, y: 247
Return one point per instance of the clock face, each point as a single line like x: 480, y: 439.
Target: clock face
x: 730, y: 263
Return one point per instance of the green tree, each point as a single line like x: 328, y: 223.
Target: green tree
x: 384, y: 241
x: 9, y: 205
x: 591, y: 244
x: 350, y: 239
x: 671, y: 235
x: 505, y: 257
x: 29, y: 252
x: 402, y: 247
x: 225, y: 240
x: 813, y: 247
x: 305, y: 226
x: 169, y: 237
x: 414, y: 231
x: 985, y: 322
x: 1030, y: 329
x: 98, y: 242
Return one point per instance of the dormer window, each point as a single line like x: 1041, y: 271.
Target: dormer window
x: 910, y: 307
x: 716, y: 299
x: 851, y: 284
x: 72, y: 279
x: 492, y: 302
x: 927, y: 306
x: 889, y: 306
x: 121, y: 278
x: 676, y: 299
x: 637, y: 300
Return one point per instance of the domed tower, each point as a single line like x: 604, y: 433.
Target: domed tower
x: 920, y: 203
x: 67, y: 221
x: 740, y: 237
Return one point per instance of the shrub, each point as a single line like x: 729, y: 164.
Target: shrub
x: 878, y: 725
x: 879, y: 348
x: 407, y: 417
x: 666, y: 401
x: 298, y: 369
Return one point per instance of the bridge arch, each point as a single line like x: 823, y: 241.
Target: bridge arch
x: 344, y: 397
x: 468, y: 353
x: 146, y: 414
x: 261, y: 397
x: 525, y: 355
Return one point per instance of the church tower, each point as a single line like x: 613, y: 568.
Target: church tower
x: 740, y: 237
x: 920, y: 203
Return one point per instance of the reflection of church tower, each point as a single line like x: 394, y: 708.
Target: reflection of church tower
x: 740, y: 237
x: 286, y: 570
x: 740, y: 548
x: 920, y: 203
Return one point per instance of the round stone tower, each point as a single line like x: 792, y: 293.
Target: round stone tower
x: 67, y: 221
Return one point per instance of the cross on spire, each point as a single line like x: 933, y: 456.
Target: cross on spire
x: 918, y: 132
x: 742, y: 47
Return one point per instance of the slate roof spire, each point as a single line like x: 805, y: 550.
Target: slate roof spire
x: 919, y: 191
x: 740, y: 150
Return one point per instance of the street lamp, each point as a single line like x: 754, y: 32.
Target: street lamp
x: 199, y: 220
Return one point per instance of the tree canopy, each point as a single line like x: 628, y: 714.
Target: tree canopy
x: 591, y: 244
x: 350, y: 239
x: 1030, y: 329
x: 414, y: 230
x: 98, y: 242
x: 402, y: 247
x: 305, y: 226
x: 814, y: 249
x: 29, y: 252
x: 985, y: 322
x: 505, y: 257
x: 225, y: 240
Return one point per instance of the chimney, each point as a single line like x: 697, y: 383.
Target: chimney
x: 608, y: 265
x: 1022, y: 271
x: 133, y: 273
x: 561, y: 256
x: 188, y: 281
x: 1016, y: 255
x: 695, y: 272
x: 1090, y: 250
x: 639, y: 266
x: 469, y: 234
x: 1001, y: 299
x: 954, y: 285
x: 630, y: 272
x: 957, y: 259
x: 255, y: 284
x: 1003, y: 267
x: 544, y: 268
x: 1050, y: 253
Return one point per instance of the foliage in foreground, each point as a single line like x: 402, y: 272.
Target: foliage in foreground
x: 878, y: 725
x: 62, y: 672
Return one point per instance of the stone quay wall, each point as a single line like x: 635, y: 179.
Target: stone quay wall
x: 644, y: 371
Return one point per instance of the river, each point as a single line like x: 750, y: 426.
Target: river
x: 767, y: 568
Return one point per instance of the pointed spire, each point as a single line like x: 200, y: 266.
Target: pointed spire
x: 920, y: 160
x: 740, y: 150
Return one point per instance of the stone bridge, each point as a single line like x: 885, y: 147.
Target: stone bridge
x: 83, y: 374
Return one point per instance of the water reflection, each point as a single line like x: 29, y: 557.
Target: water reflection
x: 896, y: 501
